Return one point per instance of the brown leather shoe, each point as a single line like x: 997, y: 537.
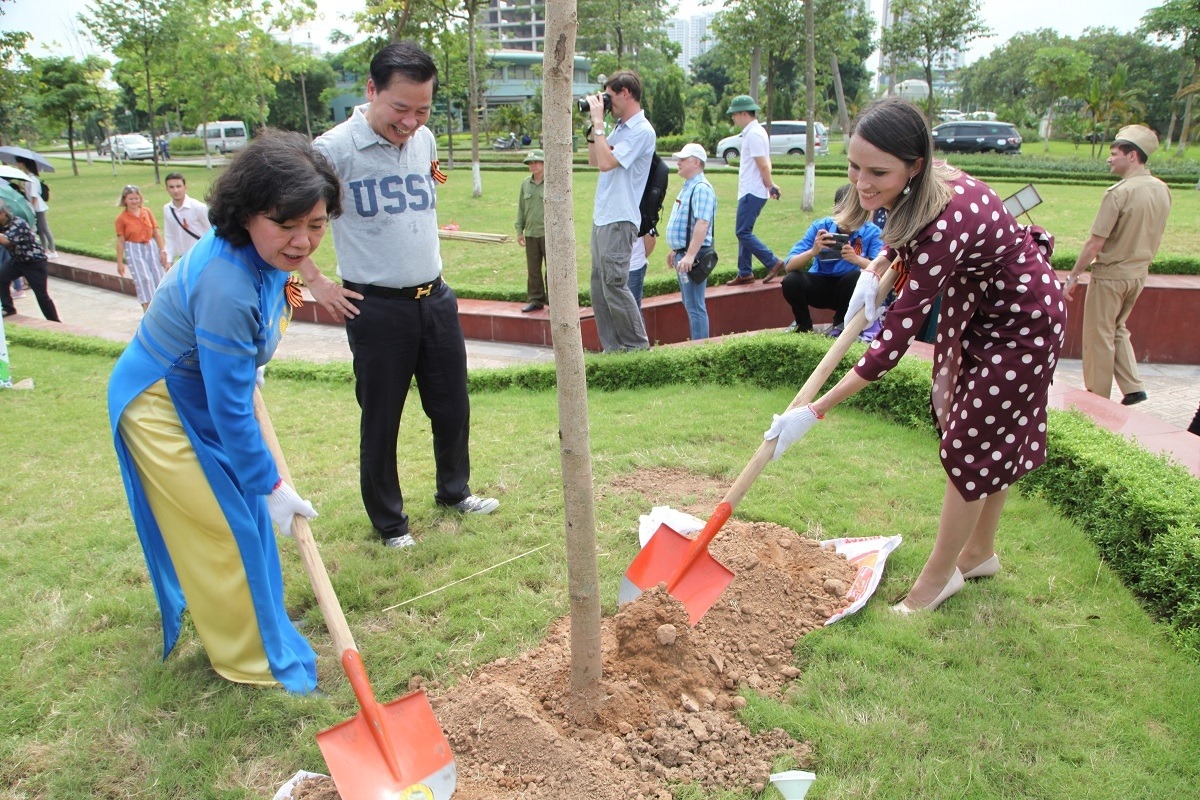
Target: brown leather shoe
x: 774, y: 272
x: 740, y: 280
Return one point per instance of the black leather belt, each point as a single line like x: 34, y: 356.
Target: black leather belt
x: 391, y: 293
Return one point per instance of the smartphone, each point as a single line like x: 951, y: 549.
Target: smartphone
x: 835, y: 252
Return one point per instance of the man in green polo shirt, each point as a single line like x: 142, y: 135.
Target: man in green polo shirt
x: 531, y: 230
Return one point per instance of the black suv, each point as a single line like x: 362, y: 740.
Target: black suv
x: 977, y: 137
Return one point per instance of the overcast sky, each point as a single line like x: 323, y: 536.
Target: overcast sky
x: 56, y: 31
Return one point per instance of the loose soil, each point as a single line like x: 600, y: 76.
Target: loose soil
x: 666, y: 711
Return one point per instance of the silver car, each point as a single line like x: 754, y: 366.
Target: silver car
x: 133, y: 146
x: 787, y: 136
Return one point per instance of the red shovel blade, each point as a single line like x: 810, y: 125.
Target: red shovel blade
x: 692, y: 575
x: 395, y: 751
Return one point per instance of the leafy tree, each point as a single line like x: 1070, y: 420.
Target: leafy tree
x: 1151, y: 69
x: 622, y: 30
x: 1179, y: 21
x: 712, y: 68
x: 297, y: 103
x: 1057, y: 72
x: 16, y: 111
x: 770, y: 27
x: 140, y: 31
x: 665, y: 103
x: 1001, y: 80
x: 70, y: 91
x: 926, y: 32
x: 1110, y: 103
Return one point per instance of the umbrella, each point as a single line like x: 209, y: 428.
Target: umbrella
x: 9, y: 155
x: 12, y: 173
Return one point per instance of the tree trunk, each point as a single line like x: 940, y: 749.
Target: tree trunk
x: 449, y: 118
x: 304, y: 95
x: 71, y: 142
x: 1187, y: 115
x: 1049, y: 127
x: 150, y: 111
x: 583, y: 583
x: 929, y: 97
x: 810, y: 137
x: 843, y: 117
x: 473, y: 80
x: 755, y: 71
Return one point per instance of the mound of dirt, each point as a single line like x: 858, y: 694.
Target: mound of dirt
x: 666, y: 709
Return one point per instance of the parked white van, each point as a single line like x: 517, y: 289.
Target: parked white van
x: 224, y: 136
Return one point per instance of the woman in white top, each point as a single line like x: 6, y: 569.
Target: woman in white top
x: 33, y: 193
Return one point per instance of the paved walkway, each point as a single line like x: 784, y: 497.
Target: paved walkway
x: 1174, y: 390
x: 112, y: 315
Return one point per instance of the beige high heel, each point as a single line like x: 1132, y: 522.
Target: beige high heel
x: 985, y: 569
x: 952, y: 588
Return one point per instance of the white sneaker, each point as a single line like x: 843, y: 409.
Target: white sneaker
x: 400, y: 541
x: 51, y: 254
x: 471, y: 504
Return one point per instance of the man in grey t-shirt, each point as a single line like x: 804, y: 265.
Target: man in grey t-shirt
x: 407, y: 322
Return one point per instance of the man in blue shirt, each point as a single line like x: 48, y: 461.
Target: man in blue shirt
x: 623, y: 158
x: 689, y: 231
x: 828, y: 282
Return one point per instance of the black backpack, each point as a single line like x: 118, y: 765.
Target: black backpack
x: 45, y: 192
x: 654, y: 194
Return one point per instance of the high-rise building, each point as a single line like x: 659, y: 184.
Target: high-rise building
x: 517, y: 24
x: 692, y: 34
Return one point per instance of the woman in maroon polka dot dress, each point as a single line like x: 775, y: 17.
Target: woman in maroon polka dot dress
x: 998, y: 339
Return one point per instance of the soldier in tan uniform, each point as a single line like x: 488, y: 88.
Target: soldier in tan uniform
x: 1121, y: 244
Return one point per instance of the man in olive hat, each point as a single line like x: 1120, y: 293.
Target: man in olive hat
x: 531, y: 230
x: 754, y: 188
x: 1121, y: 244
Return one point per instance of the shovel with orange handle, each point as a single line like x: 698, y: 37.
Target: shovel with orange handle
x: 395, y: 751
x: 690, y: 572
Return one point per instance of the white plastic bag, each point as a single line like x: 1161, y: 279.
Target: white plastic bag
x: 867, y: 555
x: 285, y: 791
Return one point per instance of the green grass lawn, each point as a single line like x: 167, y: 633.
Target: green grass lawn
x: 83, y: 211
x: 1047, y: 682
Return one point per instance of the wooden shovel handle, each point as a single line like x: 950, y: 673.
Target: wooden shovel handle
x: 335, y: 620
x: 808, y: 392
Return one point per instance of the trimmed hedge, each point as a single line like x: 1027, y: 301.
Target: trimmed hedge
x: 1140, y: 510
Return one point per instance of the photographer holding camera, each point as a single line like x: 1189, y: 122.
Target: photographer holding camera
x: 834, y: 260
x: 623, y: 158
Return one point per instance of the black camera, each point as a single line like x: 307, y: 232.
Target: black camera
x: 834, y: 252
x: 604, y: 96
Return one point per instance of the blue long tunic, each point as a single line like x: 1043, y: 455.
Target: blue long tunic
x: 217, y: 316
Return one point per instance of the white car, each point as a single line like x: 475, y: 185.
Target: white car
x: 128, y: 145
x: 788, y: 137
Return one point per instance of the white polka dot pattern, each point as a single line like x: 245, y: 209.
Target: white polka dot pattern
x: 999, y: 335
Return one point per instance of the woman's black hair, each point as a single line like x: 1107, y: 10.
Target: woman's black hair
x: 30, y: 163
x: 278, y: 174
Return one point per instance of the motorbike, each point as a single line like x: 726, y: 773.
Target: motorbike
x: 510, y: 142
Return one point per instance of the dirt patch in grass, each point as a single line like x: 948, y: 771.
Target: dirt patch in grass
x: 666, y: 710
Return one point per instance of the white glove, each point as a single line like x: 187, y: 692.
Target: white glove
x: 789, y: 427
x: 260, y: 376
x: 864, y: 297
x: 283, y: 504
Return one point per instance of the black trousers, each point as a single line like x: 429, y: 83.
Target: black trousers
x: 35, y: 273
x: 804, y: 289
x: 393, y: 341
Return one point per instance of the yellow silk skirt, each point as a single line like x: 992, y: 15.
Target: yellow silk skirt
x: 203, y: 551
